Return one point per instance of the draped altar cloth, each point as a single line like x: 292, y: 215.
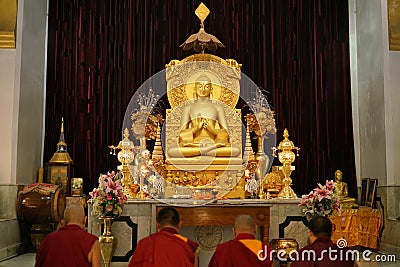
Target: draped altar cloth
x: 359, y: 227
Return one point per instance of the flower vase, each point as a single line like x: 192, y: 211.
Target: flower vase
x: 262, y: 159
x: 309, y: 217
x: 107, y: 242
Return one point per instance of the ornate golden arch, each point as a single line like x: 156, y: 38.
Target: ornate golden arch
x: 224, y: 74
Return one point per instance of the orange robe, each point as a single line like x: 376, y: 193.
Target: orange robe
x: 305, y: 259
x: 69, y: 246
x: 165, y: 248
x: 244, y: 250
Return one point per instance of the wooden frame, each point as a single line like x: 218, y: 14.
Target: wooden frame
x: 370, y: 202
x: 364, y: 191
x: 59, y: 173
x: 76, y: 187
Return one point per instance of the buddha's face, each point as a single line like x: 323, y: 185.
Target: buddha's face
x: 203, y: 89
x: 338, y: 176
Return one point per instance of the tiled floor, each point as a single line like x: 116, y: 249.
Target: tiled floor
x: 28, y: 260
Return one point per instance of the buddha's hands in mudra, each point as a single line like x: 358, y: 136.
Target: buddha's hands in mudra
x: 205, y: 125
x: 208, y: 124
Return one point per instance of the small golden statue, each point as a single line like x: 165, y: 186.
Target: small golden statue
x: 273, y: 182
x: 342, y: 192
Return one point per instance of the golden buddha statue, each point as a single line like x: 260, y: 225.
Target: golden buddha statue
x: 204, y: 130
x: 342, y: 192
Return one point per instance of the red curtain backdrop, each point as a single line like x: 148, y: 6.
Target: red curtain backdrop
x: 100, y: 52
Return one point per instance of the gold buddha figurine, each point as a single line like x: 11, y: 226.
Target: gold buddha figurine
x: 341, y: 190
x: 204, y: 130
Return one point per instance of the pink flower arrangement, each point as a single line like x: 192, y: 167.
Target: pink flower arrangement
x: 320, y: 201
x: 108, y: 198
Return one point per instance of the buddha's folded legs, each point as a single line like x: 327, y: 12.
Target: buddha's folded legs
x: 215, y: 150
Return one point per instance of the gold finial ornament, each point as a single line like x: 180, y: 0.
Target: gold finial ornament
x: 202, y: 13
x: 286, y: 157
x: 202, y: 40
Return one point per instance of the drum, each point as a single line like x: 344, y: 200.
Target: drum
x: 41, y: 204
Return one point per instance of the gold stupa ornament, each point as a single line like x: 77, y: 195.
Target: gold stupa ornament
x: 202, y: 40
x: 286, y: 156
x: 61, y: 155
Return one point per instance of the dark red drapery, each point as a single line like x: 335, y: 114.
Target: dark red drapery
x: 100, y: 52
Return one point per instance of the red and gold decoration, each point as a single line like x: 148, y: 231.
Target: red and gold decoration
x: 40, y: 208
x: 359, y: 227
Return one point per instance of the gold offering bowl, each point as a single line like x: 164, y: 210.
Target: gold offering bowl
x: 283, y: 247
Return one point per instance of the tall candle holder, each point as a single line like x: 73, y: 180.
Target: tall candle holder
x: 125, y: 156
x: 286, y: 156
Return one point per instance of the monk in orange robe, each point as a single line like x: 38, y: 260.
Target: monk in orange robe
x: 166, y: 248
x: 322, y: 251
x: 71, y: 245
x: 244, y: 250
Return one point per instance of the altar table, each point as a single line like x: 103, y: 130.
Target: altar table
x: 138, y: 220
x: 225, y: 215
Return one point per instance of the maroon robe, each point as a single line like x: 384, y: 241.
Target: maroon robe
x: 234, y: 253
x: 165, y: 248
x: 69, y: 247
x: 319, y: 245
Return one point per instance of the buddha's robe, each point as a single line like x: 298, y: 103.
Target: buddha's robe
x: 165, y: 248
x: 244, y: 250
x: 69, y: 246
x: 323, y: 257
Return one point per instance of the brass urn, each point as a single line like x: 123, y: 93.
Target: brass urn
x: 283, y: 248
x: 107, y: 242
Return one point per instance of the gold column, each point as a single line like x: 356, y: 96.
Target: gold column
x: 8, y: 23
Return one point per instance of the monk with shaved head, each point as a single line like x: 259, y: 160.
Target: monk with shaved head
x: 71, y: 245
x: 244, y: 249
x: 321, y: 251
x: 166, y: 248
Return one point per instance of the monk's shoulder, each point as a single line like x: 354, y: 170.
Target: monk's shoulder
x: 226, y: 245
